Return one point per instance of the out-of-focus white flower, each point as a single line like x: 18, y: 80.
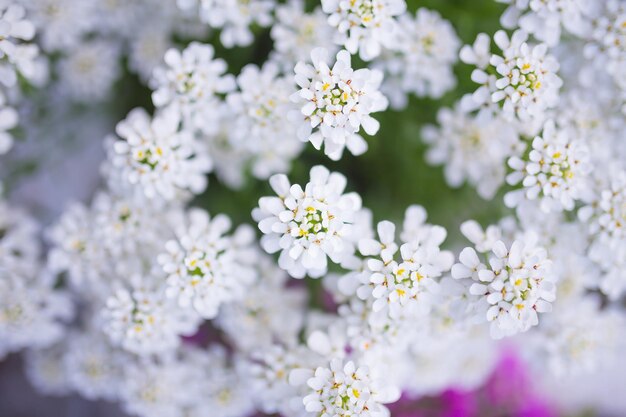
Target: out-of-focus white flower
x: 544, y: 18
x: 421, y: 63
x: 261, y: 127
x: 89, y: 71
x: 309, y: 225
x: 472, y: 149
x: 364, y: 26
x: 153, y: 389
x: 233, y: 17
x: 269, y: 371
x: 345, y: 389
x: 46, y: 371
x: 144, y: 321
x: 511, y: 287
x: 336, y: 101
x: 158, y: 157
x: 60, y: 23
x: 32, y: 312
x: 606, y: 217
x: 296, y: 33
x: 207, y: 268
x: 258, y: 319
x: 147, y: 49
x: 557, y: 171
x: 189, y: 84
x: 93, y: 367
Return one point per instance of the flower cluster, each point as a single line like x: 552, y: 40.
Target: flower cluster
x: 152, y: 291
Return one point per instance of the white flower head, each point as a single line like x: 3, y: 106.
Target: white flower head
x: 233, y: 17
x: 557, y: 170
x: 364, y: 26
x: 142, y: 320
x: 337, y: 101
x: 296, y: 33
x: 260, y: 126
x: 308, y: 225
x: 512, y: 285
x: 190, y: 83
x: 89, y: 71
x: 472, y: 149
x: 345, y: 389
x: 155, y: 155
x: 405, y: 285
x: 206, y: 267
x: 523, y: 80
x: 421, y: 63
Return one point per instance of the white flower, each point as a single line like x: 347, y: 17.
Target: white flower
x: 511, y: 287
x: 233, y: 17
x: 580, y: 338
x: 258, y: 319
x: 345, y: 389
x: 32, y: 312
x: 158, y: 157
x: 308, y: 225
x: 523, y: 80
x: 147, y: 50
x: 144, y: 321
x: 154, y: 389
x: 260, y: 126
x: 61, y: 23
x: 87, y: 74
x: 364, y: 26
x: 557, y: 171
x: 190, y: 83
x: 46, y: 371
x: 205, y: 267
x: 422, y: 61
x: 93, y: 367
x: 472, y: 149
x: 337, y: 101
x: 606, y: 217
x: 296, y: 33
x: 269, y: 371
x: 404, y: 286
x: 544, y: 18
